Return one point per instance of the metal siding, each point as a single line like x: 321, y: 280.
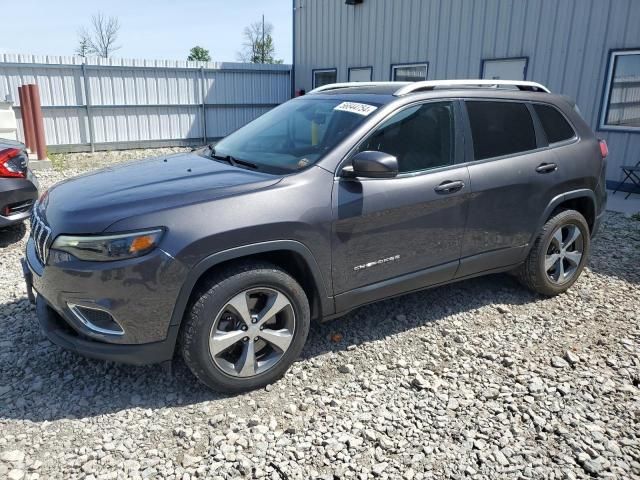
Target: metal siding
x: 567, y: 43
x: 225, y: 120
x: 137, y: 101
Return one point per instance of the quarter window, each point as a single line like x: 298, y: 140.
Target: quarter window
x: 554, y: 124
x: 500, y: 128
x: 621, y: 108
x: 409, y: 73
x: 420, y: 137
x: 324, y: 77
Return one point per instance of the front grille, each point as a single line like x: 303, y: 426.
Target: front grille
x: 41, y: 235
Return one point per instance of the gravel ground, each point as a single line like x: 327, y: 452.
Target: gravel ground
x: 481, y: 379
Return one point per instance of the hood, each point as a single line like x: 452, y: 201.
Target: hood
x: 91, y: 202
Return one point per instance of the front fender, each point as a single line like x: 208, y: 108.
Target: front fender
x: 205, y: 264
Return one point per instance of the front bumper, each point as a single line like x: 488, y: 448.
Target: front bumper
x: 56, y: 328
x: 139, y: 294
x: 18, y: 196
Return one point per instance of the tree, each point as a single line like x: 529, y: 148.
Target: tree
x: 199, y: 54
x: 258, y: 44
x: 84, y: 43
x: 105, y: 35
x: 101, y: 40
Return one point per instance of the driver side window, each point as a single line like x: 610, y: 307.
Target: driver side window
x: 420, y: 137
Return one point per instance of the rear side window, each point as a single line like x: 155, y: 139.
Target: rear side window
x: 555, y: 126
x: 500, y: 128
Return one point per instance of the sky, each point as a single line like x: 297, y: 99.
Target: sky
x: 160, y: 29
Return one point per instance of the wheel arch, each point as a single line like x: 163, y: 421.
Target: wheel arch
x: 583, y: 201
x: 292, y: 256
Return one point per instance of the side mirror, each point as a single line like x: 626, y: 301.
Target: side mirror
x: 372, y: 164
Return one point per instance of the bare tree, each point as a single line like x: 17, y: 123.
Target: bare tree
x: 258, y: 44
x: 101, y: 39
x: 105, y: 35
x: 84, y: 43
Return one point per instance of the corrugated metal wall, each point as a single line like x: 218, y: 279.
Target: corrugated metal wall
x: 567, y: 43
x: 136, y: 103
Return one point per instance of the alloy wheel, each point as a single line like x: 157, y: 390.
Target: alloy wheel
x: 564, y: 253
x: 252, y: 332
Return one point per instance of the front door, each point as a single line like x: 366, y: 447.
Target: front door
x: 408, y: 228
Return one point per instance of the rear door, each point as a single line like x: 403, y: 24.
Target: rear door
x: 579, y: 165
x: 513, y: 179
x: 411, y: 224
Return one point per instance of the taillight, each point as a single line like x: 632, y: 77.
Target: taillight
x: 13, y: 163
x: 604, y: 150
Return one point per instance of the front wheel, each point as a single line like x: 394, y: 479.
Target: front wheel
x: 245, y: 328
x: 558, y: 255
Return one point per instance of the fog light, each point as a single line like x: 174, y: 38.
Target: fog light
x: 97, y: 320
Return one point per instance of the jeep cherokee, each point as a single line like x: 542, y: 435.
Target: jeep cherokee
x: 345, y: 196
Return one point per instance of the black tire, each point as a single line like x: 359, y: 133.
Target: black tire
x: 532, y: 273
x: 213, y: 297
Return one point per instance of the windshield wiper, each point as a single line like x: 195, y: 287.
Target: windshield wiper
x: 234, y: 162
x: 244, y: 163
x: 229, y: 159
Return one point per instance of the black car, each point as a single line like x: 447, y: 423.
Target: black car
x: 345, y: 196
x: 18, y: 186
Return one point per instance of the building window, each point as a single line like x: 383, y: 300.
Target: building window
x: 411, y: 72
x: 360, y: 74
x: 324, y: 77
x: 621, y: 108
x: 505, y: 68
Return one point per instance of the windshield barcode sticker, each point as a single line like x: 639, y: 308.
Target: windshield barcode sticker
x: 354, y: 107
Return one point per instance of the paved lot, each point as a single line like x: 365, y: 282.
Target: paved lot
x: 481, y: 379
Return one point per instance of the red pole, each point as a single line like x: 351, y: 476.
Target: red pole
x: 24, y: 121
x: 27, y: 118
x: 41, y: 145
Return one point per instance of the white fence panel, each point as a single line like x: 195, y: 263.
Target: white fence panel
x: 221, y: 121
x: 125, y: 103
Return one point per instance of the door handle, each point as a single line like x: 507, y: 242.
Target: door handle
x: 546, y: 168
x: 449, y: 186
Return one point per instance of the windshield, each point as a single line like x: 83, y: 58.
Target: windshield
x: 293, y: 135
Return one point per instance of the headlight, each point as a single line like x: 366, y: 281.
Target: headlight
x: 104, y: 248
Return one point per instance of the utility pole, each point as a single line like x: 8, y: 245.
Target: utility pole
x: 263, y: 46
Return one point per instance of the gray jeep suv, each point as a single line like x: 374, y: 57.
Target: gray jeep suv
x: 348, y: 195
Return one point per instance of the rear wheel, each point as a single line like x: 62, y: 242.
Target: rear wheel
x: 558, y: 255
x: 246, y: 328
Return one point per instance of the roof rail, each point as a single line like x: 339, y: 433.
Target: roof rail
x: 405, y: 88
x: 432, y: 84
x: 333, y: 86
